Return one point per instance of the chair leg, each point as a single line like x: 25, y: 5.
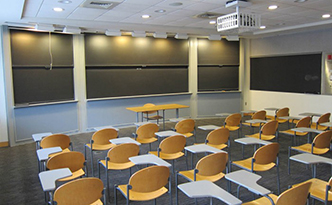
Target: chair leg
x: 107, y: 183
x: 278, y: 180
x: 176, y: 189
x: 92, y: 168
x: 289, y: 153
x: 115, y: 192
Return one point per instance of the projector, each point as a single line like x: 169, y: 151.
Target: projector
x: 235, y: 3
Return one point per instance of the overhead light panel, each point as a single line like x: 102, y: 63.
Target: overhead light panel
x: 113, y: 33
x: 138, y: 34
x: 214, y: 37
x: 72, y: 30
x: 44, y: 27
x: 160, y: 35
x: 181, y: 36
x: 232, y: 38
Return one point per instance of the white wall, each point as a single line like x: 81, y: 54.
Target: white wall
x: 310, y: 42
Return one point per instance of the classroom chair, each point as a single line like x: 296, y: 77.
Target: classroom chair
x: 259, y: 115
x: 100, y: 142
x: 303, y: 122
x: 282, y: 112
x: 186, y: 127
x: 153, y: 117
x: 233, y: 123
x: 145, y: 134
x: 268, y: 131
x: 146, y: 184
x: 57, y: 140
x: 323, y: 118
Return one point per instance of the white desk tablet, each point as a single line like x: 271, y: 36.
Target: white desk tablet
x: 123, y: 140
x: 48, y: 178
x: 208, y: 127
x: 149, y: 159
x: 104, y: 127
x: 167, y: 133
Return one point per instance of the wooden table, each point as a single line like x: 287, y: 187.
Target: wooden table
x: 157, y: 108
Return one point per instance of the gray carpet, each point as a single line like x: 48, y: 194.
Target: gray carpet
x: 19, y: 182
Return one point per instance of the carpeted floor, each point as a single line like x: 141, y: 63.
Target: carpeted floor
x: 19, y: 182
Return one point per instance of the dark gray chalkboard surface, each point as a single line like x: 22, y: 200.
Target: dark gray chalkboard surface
x: 33, y: 78
x: 294, y: 73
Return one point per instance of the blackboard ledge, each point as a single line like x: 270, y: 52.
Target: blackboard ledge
x: 218, y: 92
x: 25, y: 105
x: 138, y: 96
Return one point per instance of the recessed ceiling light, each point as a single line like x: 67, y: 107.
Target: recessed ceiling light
x: 262, y: 27
x: 176, y: 4
x: 58, y: 9
x: 65, y: 2
x: 160, y: 11
x: 300, y: 1
x: 146, y: 16
x: 325, y: 16
x: 272, y: 7
x: 213, y: 22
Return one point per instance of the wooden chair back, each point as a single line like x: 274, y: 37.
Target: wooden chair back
x: 103, y: 136
x: 147, y: 131
x: 218, y: 136
x: 212, y: 164
x: 72, y: 160
x: 121, y: 153
x: 324, y: 118
x: 270, y: 128
x: 80, y: 191
x: 283, y: 112
x: 149, y: 179
x: 267, y: 153
x: 330, y: 183
x: 323, y: 140
x: 304, y: 122
x: 260, y: 115
x: 185, y: 126
x: 296, y: 196
x: 233, y: 119
x: 149, y: 105
x: 55, y: 140
x: 173, y: 144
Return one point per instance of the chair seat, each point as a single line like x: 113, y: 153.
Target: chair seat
x: 263, y: 137
x: 246, y: 163
x: 217, y: 146
x: 167, y: 156
x: 291, y: 132
x: 117, y: 166
x: 262, y: 200
x: 190, y: 176
x: 252, y: 124
x: 189, y: 134
x: 98, y: 202
x: 307, y: 148
x: 54, y: 154
x: 146, y: 140
x: 318, y: 188
x: 101, y: 146
x: 138, y: 196
x: 232, y: 128
x: 75, y: 175
x: 281, y: 120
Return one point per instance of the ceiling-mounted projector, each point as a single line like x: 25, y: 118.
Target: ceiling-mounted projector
x: 240, y: 3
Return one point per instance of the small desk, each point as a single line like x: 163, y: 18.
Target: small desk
x: 176, y: 119
x: 306, y: 129
x: 223, y: 114
x: 200, y: 148
x: 149, y: 159
x: 157, y: 108
x: 250, y: 141
x: 104, y: 127
x: 124, y: 140
x: 42, y: 155
x: 271, y: 108
x: 208, y: 127
x: 327, y: 124
x: 311, y: 114
x: 204, y: 188
x: 309, y: 159
x: 48, y: 179
x: 166, y: 133
x: 247, y: 180
x: 39, y: 136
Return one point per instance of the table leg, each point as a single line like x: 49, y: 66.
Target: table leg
x: 164, y: 119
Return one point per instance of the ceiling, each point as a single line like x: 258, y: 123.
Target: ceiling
x: 180, y: 16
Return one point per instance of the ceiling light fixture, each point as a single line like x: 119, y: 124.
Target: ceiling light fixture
x: 212, y: 22
x: 138, y: 34
x: 160, y: 11
x: 113, y: 32
x: 181, y: 36
x: 160, y: 35
x: 272, y: 7
x: 71, y: 30
x: 213, y: 37
x: 176, y: 4
x: 58, y: 9
x: 300, y: 1
x: 262, y: 27
x: 65, y: 2
x: 44, y: 27
x: 145, y: 16
x: 325, y: 16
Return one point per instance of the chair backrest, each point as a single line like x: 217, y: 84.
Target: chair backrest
x: 267, y: 153
x: 270, y: 128
x: 103, y: 136
x: 147, y: 130
x: 295, y: 196
x: 260, y: 115
x: 212, y: 164
x: 185, y: 126
x: 304, y: 122
x: 149, y: 179
x: 72, y: 160
x: 173, y: 144
x: 149, y: 105
x: 283, y: 112
x: 80, y: 191
x: 233, y: 119
x: 218, y: 136
x: 323, y: 140
x: 55, y: 140
x: 324, y: 118
x: 121, y: 153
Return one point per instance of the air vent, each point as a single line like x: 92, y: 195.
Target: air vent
x: 208, y: 15
x: 99, y: 4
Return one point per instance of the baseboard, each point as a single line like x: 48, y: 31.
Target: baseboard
x: 4, y: 144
